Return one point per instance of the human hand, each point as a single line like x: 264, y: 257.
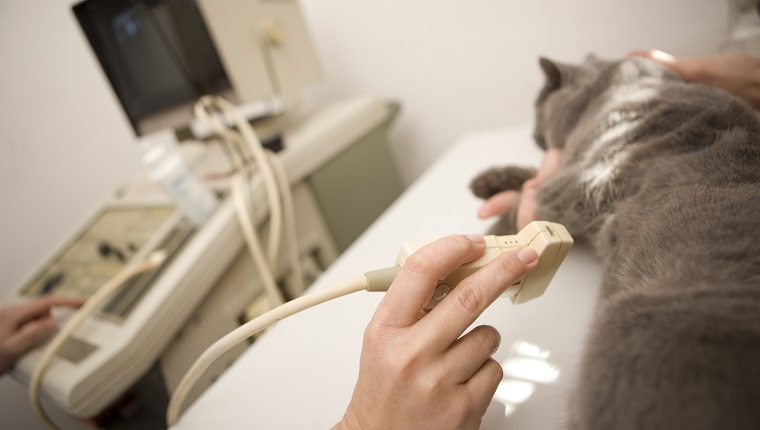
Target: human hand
x: 416, y: 372
x: 501, y: 203
x: 738, y: 74
x: 23, y: 327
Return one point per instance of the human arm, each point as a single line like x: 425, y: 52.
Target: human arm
x: 417, y: 370
x: 736, y: 73
x: 24, y: 326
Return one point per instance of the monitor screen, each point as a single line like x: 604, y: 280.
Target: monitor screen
x: 157, y: 54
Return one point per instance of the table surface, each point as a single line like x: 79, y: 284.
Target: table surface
x: 301, y: 372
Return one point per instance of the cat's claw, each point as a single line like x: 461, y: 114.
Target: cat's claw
x: 498, y: 179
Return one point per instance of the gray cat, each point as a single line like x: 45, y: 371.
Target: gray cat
x: 662, y: 178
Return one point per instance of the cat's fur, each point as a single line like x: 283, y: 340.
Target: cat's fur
x: 662, y: 177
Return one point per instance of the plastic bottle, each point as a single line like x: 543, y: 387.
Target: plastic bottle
x: 167, y: 167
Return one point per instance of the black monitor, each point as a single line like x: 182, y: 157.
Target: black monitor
x: 157, y: 54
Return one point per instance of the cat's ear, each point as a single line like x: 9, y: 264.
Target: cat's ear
x: 592, y: 58
x: 552, y: 72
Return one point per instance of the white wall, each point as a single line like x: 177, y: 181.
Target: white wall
x: 455, y: 65
x: 64, y: 143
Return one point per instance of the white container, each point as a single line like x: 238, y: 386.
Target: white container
x: 167, y: 167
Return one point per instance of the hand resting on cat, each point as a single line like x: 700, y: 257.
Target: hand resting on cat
x: 736, y: 73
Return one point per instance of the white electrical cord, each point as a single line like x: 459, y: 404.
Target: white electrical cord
x: 249, y: 329
x: 94, y: 303
x: 290, y: 222
x: 276, y: 185
x: 247, y: 142
x: 239, y: 191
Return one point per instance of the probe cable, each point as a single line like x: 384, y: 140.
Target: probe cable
x: 247, y: 142
x: 89, y: 307
x: 275, y: 183
x: 233, y: 338
x: 290, y: 221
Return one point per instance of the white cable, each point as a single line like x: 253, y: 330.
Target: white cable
x: 249, y: 329
x: 275, y: 184
x: 239, y: 182
x: 290, y: 222
x: 270, y: 181
x: 92, y: 304
x: 241, y: 194
x: 247, y: 141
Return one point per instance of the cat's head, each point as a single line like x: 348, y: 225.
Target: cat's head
x: 566, y: 92
x: 570, y: 88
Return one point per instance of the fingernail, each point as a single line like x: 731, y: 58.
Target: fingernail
x: 498, y: 344
x: 476, y: 238
x: 527, y: 255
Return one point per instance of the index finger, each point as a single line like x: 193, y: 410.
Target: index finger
x: 413, y: 287
x: 41, y: 307
x: 457, y: 311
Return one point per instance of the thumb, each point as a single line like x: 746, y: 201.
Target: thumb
x: 499, y: 204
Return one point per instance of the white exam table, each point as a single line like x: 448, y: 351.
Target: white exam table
x: 300, y: 374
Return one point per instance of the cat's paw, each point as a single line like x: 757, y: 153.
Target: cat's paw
x: 498, y: 179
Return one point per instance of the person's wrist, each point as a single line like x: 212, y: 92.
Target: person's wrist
x: 694, y: 70
x: 348, y: 422
x: 340, y: 426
